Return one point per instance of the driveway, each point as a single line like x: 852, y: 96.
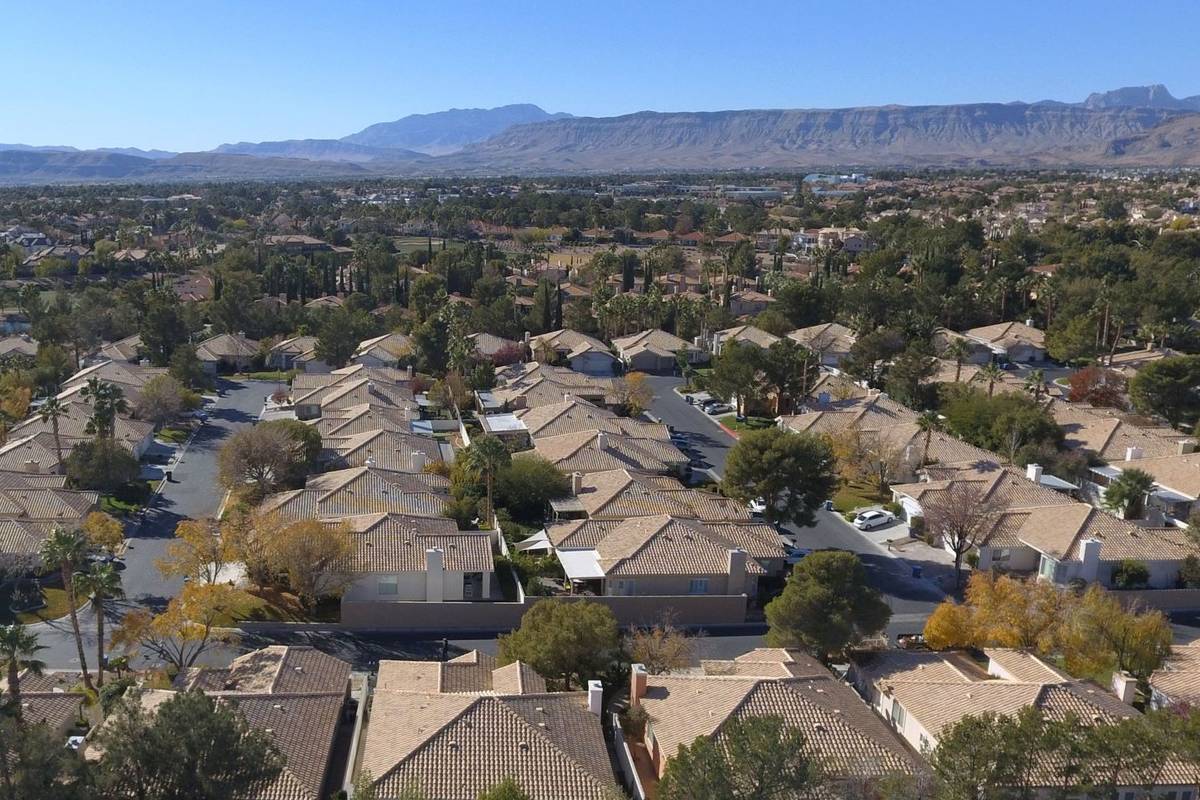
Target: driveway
x: 193, y: 492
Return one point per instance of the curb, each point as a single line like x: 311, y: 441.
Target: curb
x: 714, y: 420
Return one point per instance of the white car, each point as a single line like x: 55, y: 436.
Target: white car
x: 757, y: 506
x: 877, y: 518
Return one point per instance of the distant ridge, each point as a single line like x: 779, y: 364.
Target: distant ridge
x: 321, y: 150
x: 448, y: 131
x: 1142, y: 126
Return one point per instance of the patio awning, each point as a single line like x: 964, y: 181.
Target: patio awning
x: 580, y: 565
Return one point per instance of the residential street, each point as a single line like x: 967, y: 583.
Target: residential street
x: 193, y: 492
x: 912, y: 600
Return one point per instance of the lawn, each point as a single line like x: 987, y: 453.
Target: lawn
x: 748, y: 424
x: 856, y: 495
x: 277, y: 376
x: 56, y: 607
x: 173, y: 435
x: 272, y: 605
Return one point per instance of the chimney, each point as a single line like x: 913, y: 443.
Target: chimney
x: 1187, y: 446
x: 1124, y: 686
x: 595, y: 697
x: 1089, y: 550
x: 601, y: 440
x: 433, y: 575
x: 33, y: 467
x: 370, y: 462
x: 145, y: 362
x: 1133, y: 453
x: 1029, y: 323
x: 526, y: 338
x: 1034, y: 472
x: 737, y: 571
x: 637, y: 684
x: 576, y: 483
x: 418, y: 461
x: 409, y: 371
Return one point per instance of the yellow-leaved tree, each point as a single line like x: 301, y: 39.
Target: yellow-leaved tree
x: 192, y: 622
x: 103, y: 531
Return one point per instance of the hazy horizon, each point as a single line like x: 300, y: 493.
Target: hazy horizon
x: 193, y: 77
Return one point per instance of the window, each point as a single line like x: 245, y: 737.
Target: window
x: 1001, y: 554
x: 698, y: 586
x: 1186, y: 794
x: 898, y: 715
x: 924, y: 740
x: 389, y: 585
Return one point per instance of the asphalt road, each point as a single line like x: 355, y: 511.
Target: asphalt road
x: 912, y: 600
x: 193, y: 492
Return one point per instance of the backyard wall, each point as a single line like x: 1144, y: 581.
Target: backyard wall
x: 684, y: 610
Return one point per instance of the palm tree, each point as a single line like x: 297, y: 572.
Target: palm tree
x: 991, y: 373
x: 67, y: 550
x: 486, y: 456
x: 1126, y: 495
x: 18, y: 645
x: 960, y: 351
x: 108, y: 400
x: 50, y: 411
x: 1035, y: 383
x: 927, y: 423
x: 100, y: 583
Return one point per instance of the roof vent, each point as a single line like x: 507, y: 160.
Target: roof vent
x: 540, y: 710
x: 541, y: 724
x: 819, y: 726
x: 298, y: 668
x: 278, y: 706
x: 269, y: 731
x: 524, y: 746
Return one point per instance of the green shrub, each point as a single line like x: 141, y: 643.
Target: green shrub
x: 1189, y: 573
x: 916, y: 527
x: 1130, y: 574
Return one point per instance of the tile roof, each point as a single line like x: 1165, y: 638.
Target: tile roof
x: 226, y: 346
x: 295, y: 695
x: 1179, y: 677
x: 471, y: 673
x: 839, y: 728
x: 361, y: 490
x: 397, y: 543
x: 597, y: 451
x: 349, y: 420
x: 391, y: 450
x: 620, y: 494
x: 1178, y: 472
x: 1007, y: 334
x: 829, y: 337
x: 748, y: 334
x: 662, y: 545
x: 575, y: 415
x: 655, y: 340
x: 455, y: 746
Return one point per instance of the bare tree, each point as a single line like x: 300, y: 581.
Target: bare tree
x: 960, y: 517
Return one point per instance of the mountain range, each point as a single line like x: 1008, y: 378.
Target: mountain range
x: 1143, y: 126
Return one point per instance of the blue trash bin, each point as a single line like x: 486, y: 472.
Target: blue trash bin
x: 829, y: 505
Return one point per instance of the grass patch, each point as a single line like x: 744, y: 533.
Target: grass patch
x: 748, y: 424
x: 276, y: 376
x: 173, y: 435
x: 855, y: 495
x: 110, y: 504
x: 56, y: 607
x: 128, y: 499
x: 272, y: 605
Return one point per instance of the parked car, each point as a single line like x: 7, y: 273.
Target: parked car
x: 757, y: 506
x: 869, y: 520
x: 793, y: 554
x: 717, y: 408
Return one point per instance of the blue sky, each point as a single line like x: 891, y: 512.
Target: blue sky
x: 189, y: 75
